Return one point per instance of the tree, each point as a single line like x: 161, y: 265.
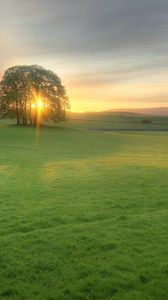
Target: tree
x: 32, y: 93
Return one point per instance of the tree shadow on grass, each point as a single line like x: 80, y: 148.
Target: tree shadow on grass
x: 42, y: 126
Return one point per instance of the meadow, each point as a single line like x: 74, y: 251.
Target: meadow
x: 83, y: 214
x: 116, y: 121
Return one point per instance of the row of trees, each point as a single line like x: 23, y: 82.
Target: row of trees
x: 30, y: 92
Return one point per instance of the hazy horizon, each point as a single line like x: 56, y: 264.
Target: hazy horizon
x: 160, y: 111
x: 109, y: 54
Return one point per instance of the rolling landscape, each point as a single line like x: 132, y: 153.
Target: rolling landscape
x: 119, y: 120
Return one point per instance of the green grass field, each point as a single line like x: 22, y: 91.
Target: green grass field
x: 115, y: 120
x: 83, y: 214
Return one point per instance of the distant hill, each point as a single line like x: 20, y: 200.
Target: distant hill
x: 157, y: 111
x: 119, y: 120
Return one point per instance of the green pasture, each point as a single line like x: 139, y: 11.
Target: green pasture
x: 116, y: 120
x: 84, y: 214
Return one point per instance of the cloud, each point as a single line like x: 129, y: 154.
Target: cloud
x: 94, y: 41
x: 87, y: 27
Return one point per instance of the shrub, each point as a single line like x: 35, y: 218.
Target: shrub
x: 146, y: 121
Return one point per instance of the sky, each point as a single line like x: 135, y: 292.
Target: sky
x: 110, y: 54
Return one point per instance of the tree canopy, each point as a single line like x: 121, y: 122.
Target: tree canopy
x: 31, y: 93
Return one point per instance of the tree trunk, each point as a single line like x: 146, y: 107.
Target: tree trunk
x: 17, y: 114
x: 18, y: 119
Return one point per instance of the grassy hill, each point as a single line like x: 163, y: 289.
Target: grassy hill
x: 157, y: 111
x: 116, y: 120
x: 83, y: 214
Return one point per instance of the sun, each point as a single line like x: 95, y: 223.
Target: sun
x: 40, y: 103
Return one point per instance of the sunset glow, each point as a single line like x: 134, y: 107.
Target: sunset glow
x: 40, y: 104
x: 120, y: 62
